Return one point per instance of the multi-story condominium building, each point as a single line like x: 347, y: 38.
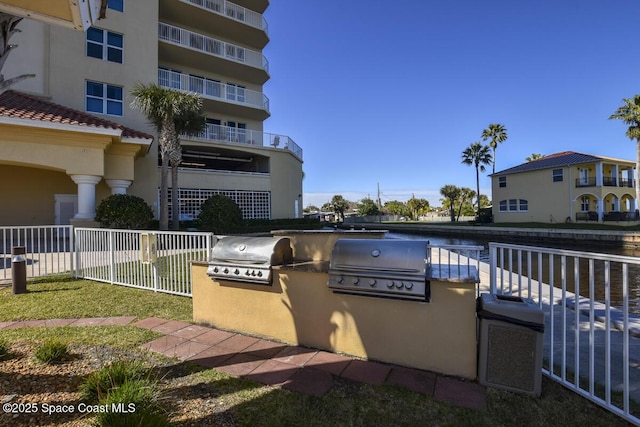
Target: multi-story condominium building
x: 566, y: 187
x: 83, y: 82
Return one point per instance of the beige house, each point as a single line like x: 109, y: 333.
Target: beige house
x: 213, y: 48
x: 566, y: 187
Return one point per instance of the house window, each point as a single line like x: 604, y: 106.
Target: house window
x: 524, y: 205
x: 105, y: 45
x: 503, y: 205
x: 584, y: 204
x: 104, y: 99
x: 235, y: 92
x: 502, y: 181
x: 558, y: 175
x: 237, y: 131
x: 513, y: 205
x: 116, y: 5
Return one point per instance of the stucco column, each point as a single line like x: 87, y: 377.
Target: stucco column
x: 599, y: 174
x: 600, y: 208
x: 86, y: 196
x: 118, y: 186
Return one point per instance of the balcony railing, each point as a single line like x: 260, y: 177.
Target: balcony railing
x: 221, y: 133
x: 607, y: 181
x: 232, y: 11
x: 212, y: 89
x: 211, y: 46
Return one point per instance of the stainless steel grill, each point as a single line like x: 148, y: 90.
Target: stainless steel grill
x: 380, y: 268
x: 248, y: 259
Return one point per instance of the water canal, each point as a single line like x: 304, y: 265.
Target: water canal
x: 582, y: 281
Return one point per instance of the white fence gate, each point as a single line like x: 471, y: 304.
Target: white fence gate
x: 49, y: 249
x: 154, y: 260
x: 592, y: 343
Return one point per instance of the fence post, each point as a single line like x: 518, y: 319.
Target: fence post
x: 112, y: 258
x: 493, y: 267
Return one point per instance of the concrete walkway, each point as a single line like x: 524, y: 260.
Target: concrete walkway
x: 300, y: 369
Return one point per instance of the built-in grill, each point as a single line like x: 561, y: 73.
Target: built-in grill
x: 380, y: 268
x: 248, y: 259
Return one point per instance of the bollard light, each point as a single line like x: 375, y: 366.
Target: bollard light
x: 19, y: 270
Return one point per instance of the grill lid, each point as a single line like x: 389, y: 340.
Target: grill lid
x: 248, y: 259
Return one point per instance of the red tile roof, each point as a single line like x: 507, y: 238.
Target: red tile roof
x: 19, y: 105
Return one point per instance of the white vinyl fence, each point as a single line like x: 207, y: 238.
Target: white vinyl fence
x: 49, y: 249
x: 154, y: 260
x: 592, y: 343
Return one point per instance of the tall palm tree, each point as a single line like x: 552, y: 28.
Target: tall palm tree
x: 629, y: 113
x: 477, y: 155
x: 497, y: 133
x: 8, y: 28
x: 533, y: 156
x: 172, y: 113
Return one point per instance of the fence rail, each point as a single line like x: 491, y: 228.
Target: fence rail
x: 157, y: 260
x: 49, y: 249
x: 586, y: 300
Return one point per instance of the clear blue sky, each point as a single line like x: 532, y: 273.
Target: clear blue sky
x: 393, y: 92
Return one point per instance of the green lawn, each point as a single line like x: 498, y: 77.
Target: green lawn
x: 247, y: 403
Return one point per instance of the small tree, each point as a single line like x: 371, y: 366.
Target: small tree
x: 396, y: 207
x: 221, y: 215
x: 124, y: 211
x: 417, y: 207
x: 451, y: 193
x: 339, y: 205
x: 367, y: 207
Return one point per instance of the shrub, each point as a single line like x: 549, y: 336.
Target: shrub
x: 53, y: 351
x: 110, y: 377
x: 139, y: 401
x: 221, y: 215
x: 124, y: 211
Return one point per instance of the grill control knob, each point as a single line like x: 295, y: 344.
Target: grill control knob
x: 225, y: 271
x: 400, y: 285
x: 355, y: 280
x: 391, y: 284
x: 216, y: 269
x: 259, y: 273
x: 247, y: 273
x: 372, y: 282
x: 409, y: 285
x: 339, y: 279
x: 236, y: 271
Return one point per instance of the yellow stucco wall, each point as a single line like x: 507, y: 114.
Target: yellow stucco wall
x: 300, y: 309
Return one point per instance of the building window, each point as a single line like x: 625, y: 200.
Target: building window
x: 524, y: 205
x: 104, y: 99
x: 558, y: 175
x: 513, y: 205
x: 502, y: 181
x: 503, y: 206
x: 235, y: 92
x: 584, y: 204
x: 237, y: 131
x: 116, y: 5
x: 105, y: 45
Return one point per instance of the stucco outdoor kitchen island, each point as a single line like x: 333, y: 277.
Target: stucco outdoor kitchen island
x: 299, y: 308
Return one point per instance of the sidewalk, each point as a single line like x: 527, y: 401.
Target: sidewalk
x: 300, y: 369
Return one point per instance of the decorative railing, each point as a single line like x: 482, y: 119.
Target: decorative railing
x: 220, y: 133
x: 607, y: 181
x: 211, y: 46
x: 589, y: 332
x: 586, y: 182
x: 232, y: 11
x: 213, y: 89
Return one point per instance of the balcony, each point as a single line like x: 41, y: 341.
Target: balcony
x: 234, y: 21
x: 217, y: 96
x: 186, y: 47
x: 607, y: 181
x: 252, y: 138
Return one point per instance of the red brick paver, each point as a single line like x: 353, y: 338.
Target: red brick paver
x: 329, y: 362
x: 273, y: 372
x: 366, y: 372
x: 150, y: 322
x: 240, y: 365
x: 413, y: 379
x: 460, y: 393
x: 310, y: 381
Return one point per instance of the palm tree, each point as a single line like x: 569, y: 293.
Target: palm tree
x: 8, y: 28
x: 477, y: 155
x: 629, y: 113
x: 172, y: 113
x: 452, y: 193
x: 533, y: 156
x: 497, y: 133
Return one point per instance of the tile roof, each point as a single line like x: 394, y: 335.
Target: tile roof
x: 20, y: 105
x: 555, y: 160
